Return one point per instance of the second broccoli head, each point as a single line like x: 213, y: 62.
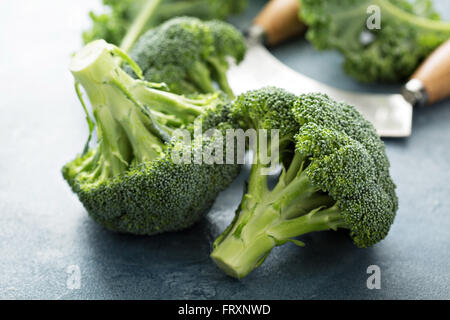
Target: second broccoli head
x: 335, y: 175
x: 190, y: 55
x: 130, y: 182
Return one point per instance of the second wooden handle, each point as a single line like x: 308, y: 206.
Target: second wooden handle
x: 280, y: 20
x: 434, y: 74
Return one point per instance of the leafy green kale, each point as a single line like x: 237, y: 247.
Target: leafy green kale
x: 189, y: 55
x: 409, y: 32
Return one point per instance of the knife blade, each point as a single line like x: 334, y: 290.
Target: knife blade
x: 391, y: 114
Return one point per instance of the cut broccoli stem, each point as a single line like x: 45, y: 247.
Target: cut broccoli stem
x: 252, y: 239
x: 137, y: 28
x: 268, y: 218
x: 131, y: 115
x: 220, y: 69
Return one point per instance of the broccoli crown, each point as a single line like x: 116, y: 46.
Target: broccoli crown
x: 130, y: 182
x: 228, y: 42
x: 348, y: 161
x: 390, y: 52
x: 189, y: 55
x: 335, y: 175
x: 113, y: 25
x: 153, y: 197
x: 267, y: 108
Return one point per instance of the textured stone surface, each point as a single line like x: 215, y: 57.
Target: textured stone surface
x: 44, y: 229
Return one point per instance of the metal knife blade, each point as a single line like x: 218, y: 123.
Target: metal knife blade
x: 391, y: 114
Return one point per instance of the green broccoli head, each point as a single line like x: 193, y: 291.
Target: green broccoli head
x: 153, y: 197
x: 335, y: 175
x: 130, y: 182
x: 267, y: 108
x: 348, y: 161
x: 189, y: 55
x: 114, y: 25
x: 391, y: 53
x: 228, y: 42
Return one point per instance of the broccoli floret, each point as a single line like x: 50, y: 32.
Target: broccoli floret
x: 130, y: 182
x: 228, y: 43
x: 189, y: 55
x: 121, y: 15
x: 335, y: 175
x: 408, y: 33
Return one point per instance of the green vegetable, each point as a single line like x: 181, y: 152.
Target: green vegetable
x: 189, y: 55
x: 130, y: 182
x: 409, y: 33
x: 335, y: 175
x: 122, y: 14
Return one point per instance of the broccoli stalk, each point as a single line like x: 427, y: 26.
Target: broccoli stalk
x: 203, y: 9
x: 219, y: 69
x: 126, y: 127
x: 269, y: 218
x: 335, y: 175
x: 126, y: 20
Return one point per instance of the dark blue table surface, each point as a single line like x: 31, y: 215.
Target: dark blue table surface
x: 44, y: 228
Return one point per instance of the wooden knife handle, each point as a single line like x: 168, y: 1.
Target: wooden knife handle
x: 434, y: 74
x: 280, y: 20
